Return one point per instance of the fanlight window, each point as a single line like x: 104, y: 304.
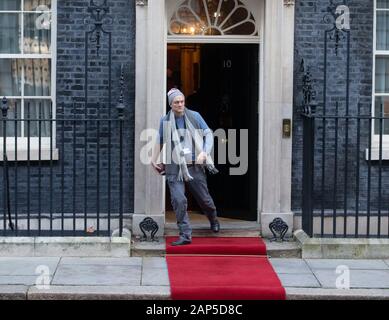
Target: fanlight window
x: 212, y: 18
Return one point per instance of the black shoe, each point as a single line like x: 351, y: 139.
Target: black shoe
x: 181, y: 242
x: 215, y: 226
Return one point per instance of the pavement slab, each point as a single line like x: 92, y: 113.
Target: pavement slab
x: 297, y: 266
x: 154, y: 262
x: 130, y: 261
x: 351, y: 264
x: 147, y: 278
x: 27, y: 266
x: 373, y: 279
x: 155, y: 277
x: 94, y: 275
x: 20, y: 280
x: 299, y: 280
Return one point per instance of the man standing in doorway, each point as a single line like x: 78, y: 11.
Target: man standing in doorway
x: 189, y: 141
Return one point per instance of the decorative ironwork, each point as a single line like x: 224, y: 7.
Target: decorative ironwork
x: 7, y: 191
x: 7, y: 205
x: 120, y: 106
x: 278, y: 228
x: 308, y: 92
x: 141, y: 3
x: 334, y: 127
x: 212, y: 18
x: 98, y: 16
x: 98, y: 13
x: 288, y: 3
x: 148, y: 224
x: 4, y: 107
x: 94, y: 141
x: 335, y: 33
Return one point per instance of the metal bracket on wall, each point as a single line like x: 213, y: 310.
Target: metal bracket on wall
x: 289, y: 3
x: 141, y: 3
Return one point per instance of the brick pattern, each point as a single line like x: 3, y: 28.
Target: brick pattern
x: 309, y: 36
x: 309, y: 45
x: 70, y: 93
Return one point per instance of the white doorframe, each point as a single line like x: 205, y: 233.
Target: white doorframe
x: 275, y: 92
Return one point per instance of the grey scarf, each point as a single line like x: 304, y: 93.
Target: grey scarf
x: 178, y: 153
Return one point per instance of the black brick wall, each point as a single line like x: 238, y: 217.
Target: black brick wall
x: 309, y: 45
x: 70, y: 90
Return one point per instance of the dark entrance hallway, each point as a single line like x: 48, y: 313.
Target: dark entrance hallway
x: 221, y: 82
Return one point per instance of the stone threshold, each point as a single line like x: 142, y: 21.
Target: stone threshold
x: 289, y: 249
x: 341, y: 248
x: 65, y: 246
x: 111, y: 247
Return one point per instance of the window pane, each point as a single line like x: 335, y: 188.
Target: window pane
x: 242, y: 29
x: 212, y: 17
x: 10, y: 32
x: 37, y: 35
x: 40, y: 5
x: 10, y: 125
x: 383, y: 30
x: 37, y: 109
x: 10, y: 77
x: 382, y: 75
x: 37, y: 77
x: 381, y: 103
x: 382, y: 4
x: 10, y: 5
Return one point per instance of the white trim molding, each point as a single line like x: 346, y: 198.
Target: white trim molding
x: 22, y: 155
x: 52, y: 56
x: 276, y: 39
x: 278, y: 104
x: 377, y: 53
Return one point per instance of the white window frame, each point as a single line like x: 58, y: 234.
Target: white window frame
x: 22, y: 142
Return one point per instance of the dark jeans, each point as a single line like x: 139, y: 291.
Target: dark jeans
x: 199, y: 189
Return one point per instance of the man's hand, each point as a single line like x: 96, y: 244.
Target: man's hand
x: 160, y: 167
x: 202, y: 157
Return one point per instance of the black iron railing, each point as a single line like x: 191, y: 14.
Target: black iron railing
x: 67, y: 180
x: 345, y: 170
x: 63, y: 169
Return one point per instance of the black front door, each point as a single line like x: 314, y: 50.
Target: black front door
x: 229, y: 85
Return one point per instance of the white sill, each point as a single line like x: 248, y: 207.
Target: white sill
x: 375, y: 153
x: 34, y: 155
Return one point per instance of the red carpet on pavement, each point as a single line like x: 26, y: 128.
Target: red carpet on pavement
x: 222, y: 269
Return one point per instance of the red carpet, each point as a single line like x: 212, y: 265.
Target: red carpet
x: 214, y: 274
x: 219, y: 245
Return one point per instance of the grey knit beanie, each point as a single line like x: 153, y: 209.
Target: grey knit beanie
x: 172, y: 94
